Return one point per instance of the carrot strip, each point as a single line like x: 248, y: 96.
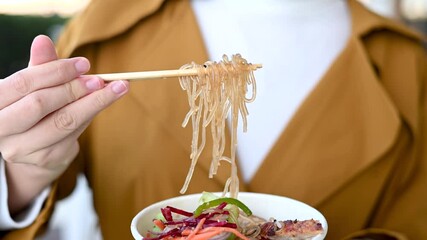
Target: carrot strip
x: 206, y: 235
x: 198, y: 227
x: 219, y: 230
x: 159, y: 224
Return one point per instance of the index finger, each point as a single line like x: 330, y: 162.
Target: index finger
x: 46, y: 75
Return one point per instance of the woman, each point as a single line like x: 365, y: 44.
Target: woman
x: 350, y: 144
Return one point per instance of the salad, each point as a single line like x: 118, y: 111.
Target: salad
x: 224, y: 218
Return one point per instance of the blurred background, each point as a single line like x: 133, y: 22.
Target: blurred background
x: 22, y: 20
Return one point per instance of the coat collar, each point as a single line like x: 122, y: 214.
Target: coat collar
x: 365, y: 22
x: 104, y: 19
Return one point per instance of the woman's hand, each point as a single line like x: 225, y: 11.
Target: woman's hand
x: 43, y: 110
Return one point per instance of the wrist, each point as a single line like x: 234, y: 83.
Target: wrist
x: 25, y: 182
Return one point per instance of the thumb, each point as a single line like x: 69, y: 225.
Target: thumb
x: 42, y: 51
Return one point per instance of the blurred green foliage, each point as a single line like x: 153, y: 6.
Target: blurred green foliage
x: 16, y: 35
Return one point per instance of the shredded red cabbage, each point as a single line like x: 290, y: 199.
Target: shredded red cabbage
x: 186, y: 220
x: 180, y: 211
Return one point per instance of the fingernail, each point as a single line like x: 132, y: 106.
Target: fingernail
x: 118, y: 87
x: 93, y: 84
x: 82, y: 65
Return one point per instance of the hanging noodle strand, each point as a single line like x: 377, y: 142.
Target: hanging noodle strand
x: 218, y: 91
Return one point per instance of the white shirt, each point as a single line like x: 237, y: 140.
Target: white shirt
x: 295, y: 40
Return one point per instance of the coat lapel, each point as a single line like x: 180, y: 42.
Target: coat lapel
x: 344, y: 126
x: 164, y: 100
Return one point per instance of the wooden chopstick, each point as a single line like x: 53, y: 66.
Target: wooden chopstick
x: 156, y: 74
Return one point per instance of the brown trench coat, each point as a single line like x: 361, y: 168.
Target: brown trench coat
x: 355, y: 150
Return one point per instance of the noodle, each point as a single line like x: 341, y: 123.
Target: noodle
x: 218, y: 89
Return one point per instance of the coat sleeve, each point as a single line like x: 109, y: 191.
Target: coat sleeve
x: 376, y: 234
